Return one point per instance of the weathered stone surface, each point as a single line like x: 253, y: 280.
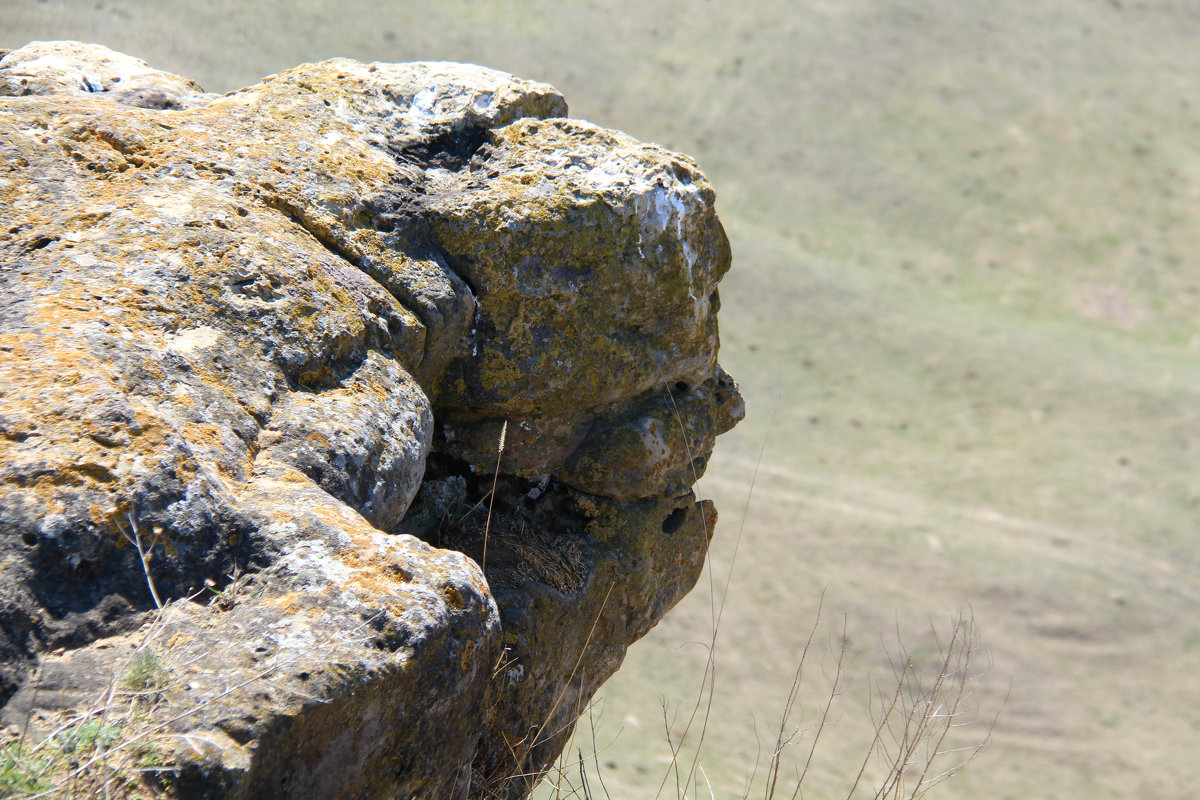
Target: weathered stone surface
x: 70, y: 68
x: 364, y: 442
x: 270, y: 340
x: 353, y: 674
x: 619, y: 306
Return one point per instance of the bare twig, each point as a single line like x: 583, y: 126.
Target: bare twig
x: 495, y: 479
x: 587, y: 641
x: 834, y: 690
x: 143, y: 554
x: 706, y: 692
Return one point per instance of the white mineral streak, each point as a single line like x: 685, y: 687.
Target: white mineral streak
x: 483, y: 101
x: 293, y: 634
x: 174, y: 204
x: 424, y: 103
x: 193, y: 339
x: 314, y: 555
x: 54, y: 525
x: 282, y: 529
x: 462, y: 87
x: 662, y: 203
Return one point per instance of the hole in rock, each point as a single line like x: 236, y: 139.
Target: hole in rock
x: 532, y: 536
x: 674, y: 520
x: 452, y: 149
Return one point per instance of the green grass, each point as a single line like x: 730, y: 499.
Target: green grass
x: 108, y: 752
x: 21, y: 771
x: 44, y: 769
x: 146, y: 674
x: 965, y: 238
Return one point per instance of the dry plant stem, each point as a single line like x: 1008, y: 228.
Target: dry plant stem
x: 935, y: 714
x: 834, y: 691
x: 599, y: 772
x: 912, y: 724
x: 975, y: 749
x: 961, y: 666
x: 537, y: 735
x: 927, y: 714
x: 487, y: 526
x: 879, y: 728
x: 577, y: 715
x: 101, y: 757
x: 922, y: 713
x: 37, y: 685
x: 705, y: 695
x: 707, y: 783
x: 102, y: 706
x: 136, y: 541
x: 166, y: 723
x: 709, y: 676
x: 563, y: 776
x: 155, y: 625
x: 783, y: 738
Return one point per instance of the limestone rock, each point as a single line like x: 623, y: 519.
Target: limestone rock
x: 620, y: 305
x: 256, y: 355
x: 70, y: 68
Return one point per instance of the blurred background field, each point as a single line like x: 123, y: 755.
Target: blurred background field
x: 966, y: 281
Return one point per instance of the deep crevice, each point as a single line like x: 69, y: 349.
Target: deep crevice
x: 301, y: 217
x: 533, y: 536
x: 395, y: 212
x: 450, y: 149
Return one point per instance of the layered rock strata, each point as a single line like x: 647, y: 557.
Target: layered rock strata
x: 258, y: 353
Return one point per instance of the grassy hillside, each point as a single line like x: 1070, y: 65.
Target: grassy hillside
x: 965, y: 236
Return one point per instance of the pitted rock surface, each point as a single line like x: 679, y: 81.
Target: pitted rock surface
x: 257, y: 352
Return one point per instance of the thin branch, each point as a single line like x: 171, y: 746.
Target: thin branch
x: 487, y: 527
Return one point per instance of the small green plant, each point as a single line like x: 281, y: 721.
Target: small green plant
x: 146, y: 674
x: 89, y: 758
x: 21, y: 770
x: 45, y: 769
x: 91, y: 735
x: 146, y: 755
x: 234, y: 592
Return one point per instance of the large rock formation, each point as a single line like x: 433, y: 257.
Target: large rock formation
x: 257, y: 356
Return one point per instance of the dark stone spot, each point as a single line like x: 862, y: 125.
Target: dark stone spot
x: 674, y: 520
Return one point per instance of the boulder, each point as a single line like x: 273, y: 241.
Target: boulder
x: 359, y: 407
